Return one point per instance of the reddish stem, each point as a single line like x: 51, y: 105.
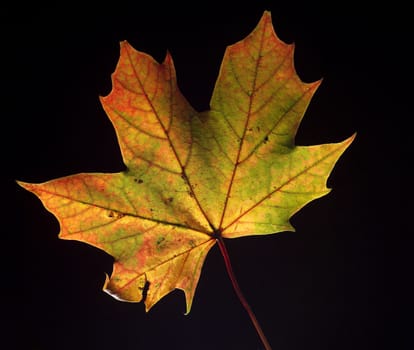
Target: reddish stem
x: 239, y: 293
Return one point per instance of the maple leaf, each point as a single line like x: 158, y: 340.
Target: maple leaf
x: 192, y: 178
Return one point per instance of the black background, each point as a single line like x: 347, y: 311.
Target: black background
x: 338, y: 282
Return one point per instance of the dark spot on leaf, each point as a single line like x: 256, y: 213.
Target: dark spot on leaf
x: 160, y: 240
x: 192, y: 243
x: 168, y: 201
x: 161, y: 243
x: 114, y: 214
x: 138, y: 181
x: 266, y: 139
x: 184, y: 176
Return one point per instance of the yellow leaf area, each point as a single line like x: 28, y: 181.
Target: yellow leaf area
x: 191, y: 177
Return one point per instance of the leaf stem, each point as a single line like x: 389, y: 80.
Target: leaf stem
x: 239, y: 293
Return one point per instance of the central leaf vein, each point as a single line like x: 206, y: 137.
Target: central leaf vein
x: 248, y: 115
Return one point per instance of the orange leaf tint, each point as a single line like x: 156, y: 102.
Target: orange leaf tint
x: 192, y: 177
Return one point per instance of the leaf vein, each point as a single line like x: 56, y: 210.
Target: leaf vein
x: 278, y: 189
x: 230, y: 187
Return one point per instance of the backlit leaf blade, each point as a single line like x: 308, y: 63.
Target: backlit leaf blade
x: 141, y: 247
x: 288, y: 183
x: 153, y: 228
x: 262, y: 178
x: 152, y: 122
x: 233, y: 170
